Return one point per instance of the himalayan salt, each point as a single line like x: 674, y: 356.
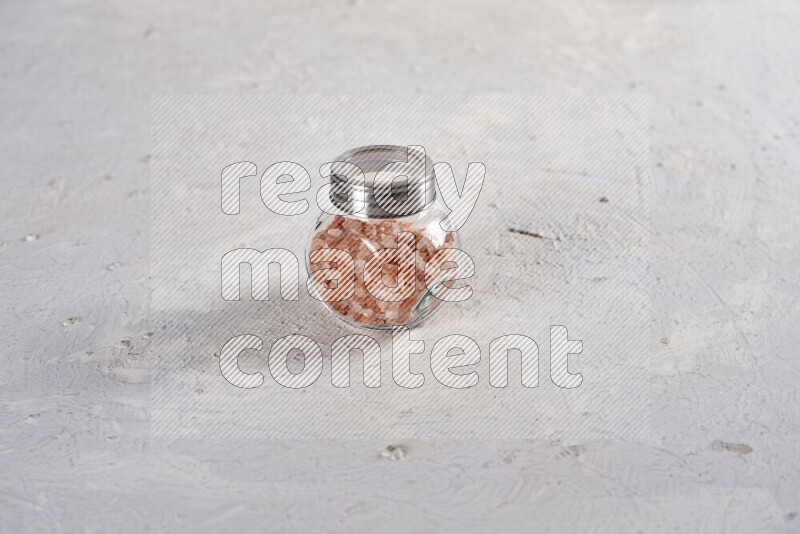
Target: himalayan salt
x: 361, y: 238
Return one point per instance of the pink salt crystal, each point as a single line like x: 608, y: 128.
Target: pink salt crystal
x: 362, y: 239
x: 356, y: 308
x: 388, y: 240
x: 352, y: 226
x: 317, y: 243
x: 426, y: 250
x: 361, y: 291
x: 404, y: 308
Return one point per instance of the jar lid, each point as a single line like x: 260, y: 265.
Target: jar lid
x: 394, y: 181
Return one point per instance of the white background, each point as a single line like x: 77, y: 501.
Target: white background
x: 583, y: 264
x: 75, y: 82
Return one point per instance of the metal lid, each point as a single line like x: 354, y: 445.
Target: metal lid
x: 394, y: 181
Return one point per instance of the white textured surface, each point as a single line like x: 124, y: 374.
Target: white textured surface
x: 549, y: 161
x: 75, y: 85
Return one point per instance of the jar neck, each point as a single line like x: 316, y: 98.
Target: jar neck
x: 430, y: 208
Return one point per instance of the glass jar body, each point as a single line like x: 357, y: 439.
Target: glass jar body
x: 376, y: 299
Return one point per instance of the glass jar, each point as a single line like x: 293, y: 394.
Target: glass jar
x: 382, y: 210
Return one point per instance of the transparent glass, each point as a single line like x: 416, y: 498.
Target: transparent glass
x: 363, y: 237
